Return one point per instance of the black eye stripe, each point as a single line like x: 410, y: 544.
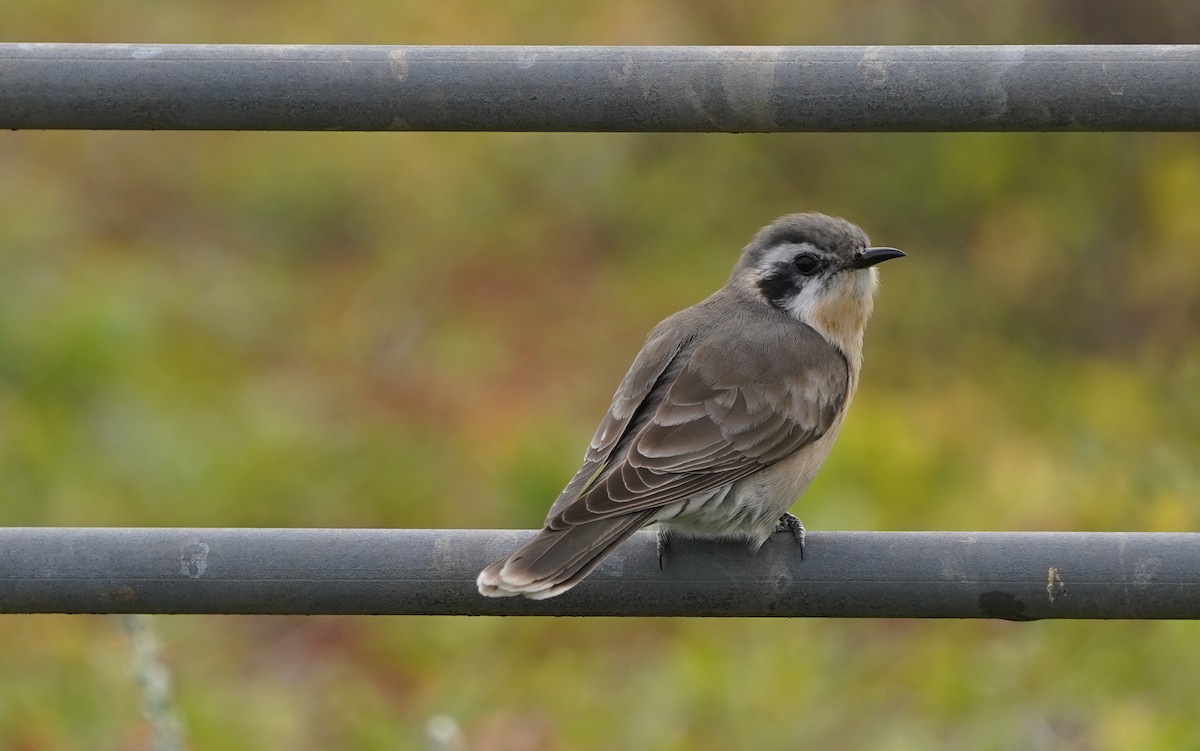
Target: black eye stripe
x: 779, y: 284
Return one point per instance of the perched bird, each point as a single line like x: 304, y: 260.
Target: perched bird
x: 725, y: 415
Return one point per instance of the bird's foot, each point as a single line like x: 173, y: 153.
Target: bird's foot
x: 790, y: 523
x: 661, y: 541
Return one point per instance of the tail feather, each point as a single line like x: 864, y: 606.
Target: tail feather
x: 555, y: 560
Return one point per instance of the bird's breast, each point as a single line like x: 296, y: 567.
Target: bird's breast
x: 780, y: 484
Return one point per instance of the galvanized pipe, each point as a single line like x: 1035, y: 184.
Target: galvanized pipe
x: 1015, y: 576
x: 716, y: 89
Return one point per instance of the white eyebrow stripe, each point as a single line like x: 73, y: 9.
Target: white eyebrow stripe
x: 782, y: 253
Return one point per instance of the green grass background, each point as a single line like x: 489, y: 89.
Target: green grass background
x: 422, y: 330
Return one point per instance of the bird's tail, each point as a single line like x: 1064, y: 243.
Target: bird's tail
x: 554, y: 560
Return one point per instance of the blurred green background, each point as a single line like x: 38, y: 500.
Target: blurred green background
x: 422, y: 330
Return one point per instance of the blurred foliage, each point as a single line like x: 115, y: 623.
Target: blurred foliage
x: 411, y: 330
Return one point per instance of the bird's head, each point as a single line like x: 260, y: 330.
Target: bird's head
x: 819, y: 269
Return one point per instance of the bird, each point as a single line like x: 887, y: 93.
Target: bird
x: 726, y: 414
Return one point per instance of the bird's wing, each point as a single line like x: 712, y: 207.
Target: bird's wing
x: 632, y: 397
x: 743, y: 399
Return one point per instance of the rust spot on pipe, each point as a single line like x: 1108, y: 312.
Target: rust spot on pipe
x: 1055, y: 587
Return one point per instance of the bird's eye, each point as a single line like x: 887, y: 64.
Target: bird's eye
x: 807, y: 264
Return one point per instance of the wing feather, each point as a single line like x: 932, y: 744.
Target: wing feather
x: 738, y: 402
x: 648, y: 368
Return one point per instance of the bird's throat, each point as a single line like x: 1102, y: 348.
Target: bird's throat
x: 841, y: 319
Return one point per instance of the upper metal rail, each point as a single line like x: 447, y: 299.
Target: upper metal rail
x: 713, y: 89
x: 1015, y: 576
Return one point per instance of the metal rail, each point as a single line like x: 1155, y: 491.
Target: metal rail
x: 1015, y: 576
x: 725, y: 89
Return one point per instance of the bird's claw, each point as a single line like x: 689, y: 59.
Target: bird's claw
x: 791, y: 523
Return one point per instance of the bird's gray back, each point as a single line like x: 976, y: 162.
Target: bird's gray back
x: 719, y: 391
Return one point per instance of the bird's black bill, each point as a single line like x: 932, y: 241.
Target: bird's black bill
x: 872, y: 256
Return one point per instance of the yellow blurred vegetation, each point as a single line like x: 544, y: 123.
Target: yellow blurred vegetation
x: 421, y: 330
